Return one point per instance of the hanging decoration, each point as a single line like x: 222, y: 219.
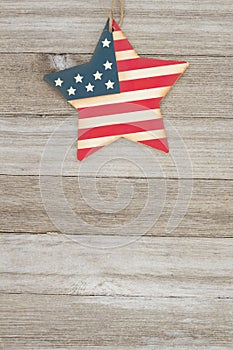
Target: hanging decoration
x: 118, y: 93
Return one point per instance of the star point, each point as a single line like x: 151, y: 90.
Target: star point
x: 106, y: 43
x: 78, y: 78
x: 58, y: 82
x: 90, y: 87
x: 71, y: 91
x: 107, y: 65
x: 110, y: 85
x: 98, y: 75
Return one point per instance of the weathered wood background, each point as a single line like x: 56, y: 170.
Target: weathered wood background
x: 164, y: 290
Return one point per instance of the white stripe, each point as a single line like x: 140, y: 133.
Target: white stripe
x: 138, y: 136
x: 126, y: 55
x: 152, y: 72
x: 146, y: 135
x: 115, y: 119
x: 118, y: 35
x: 120, y: 98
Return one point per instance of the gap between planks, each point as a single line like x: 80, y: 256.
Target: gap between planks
x: 98, y: 177
x: 151, y: 55
x: 115, y: 296
x: 148, y: 235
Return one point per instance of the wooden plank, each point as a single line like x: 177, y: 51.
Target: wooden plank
x: 199, y: 148
x: 48, y: 322
x: 149, y: 267
x: 107, y: 206
x: 176, y: 28
x: 204, y: 91
x: 106, y: 285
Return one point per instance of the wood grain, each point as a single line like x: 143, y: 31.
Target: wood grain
x: 148, y: 267
x: 199, y: 148
x: 176, y: 27
x: 204, y: 91
x: 106, y: 286
x: 209, y: 212
x: 35, y: 322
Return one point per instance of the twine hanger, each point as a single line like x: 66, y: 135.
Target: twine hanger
x: 111, y: 15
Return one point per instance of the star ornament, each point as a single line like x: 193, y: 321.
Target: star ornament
x: 118, y: 94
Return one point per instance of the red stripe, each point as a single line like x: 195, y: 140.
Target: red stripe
x: 160, y: 144
x: 115, y: 26
x: 85, y: 152
x: 118, y: 108
x: 142, y: 63
x: 148, y: 83
x: 122, y: 45
x: 152, y: 103
x: 124, y: 128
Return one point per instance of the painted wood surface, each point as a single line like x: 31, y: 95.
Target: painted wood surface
x: 174, y: 27
x: 209, y: 212
x: 159, y: 267
x: 69, y: 321
x: 106, y: 287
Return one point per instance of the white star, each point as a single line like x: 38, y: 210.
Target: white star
x: 110, y: 84
x: 107, y: 65
x: 98, y: 75
x: 90, y: 87
x: 71, y: 91
x: 78, y: 78
x: 106, y: 43
x: 58, y: 82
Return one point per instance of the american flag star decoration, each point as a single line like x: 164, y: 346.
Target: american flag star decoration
x: 118, y: 94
